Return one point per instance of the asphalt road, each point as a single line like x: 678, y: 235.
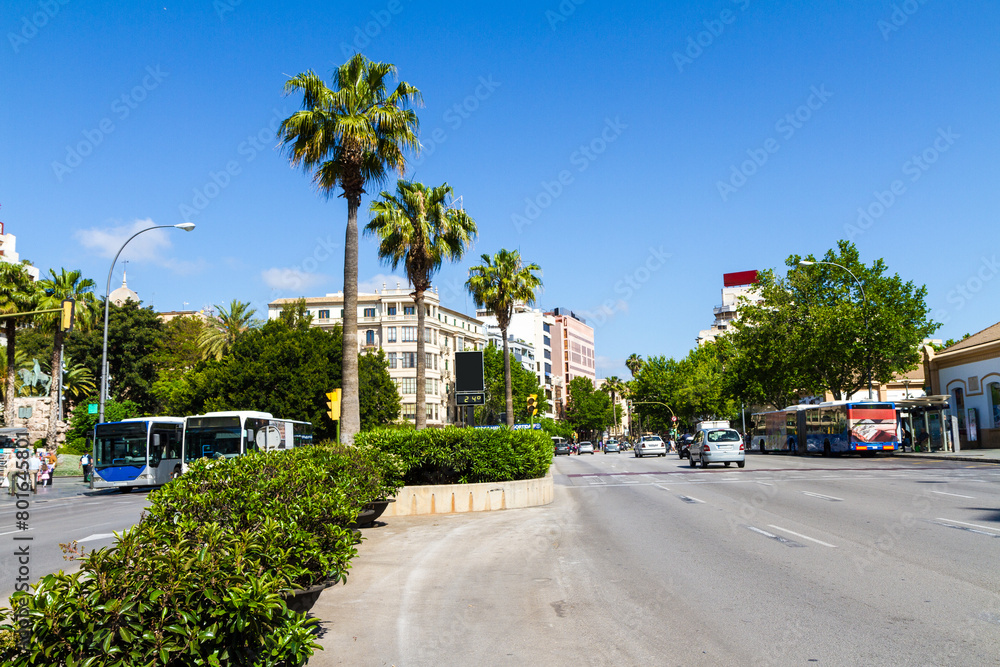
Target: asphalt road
x: 790, y: 561
x: 66, y: 511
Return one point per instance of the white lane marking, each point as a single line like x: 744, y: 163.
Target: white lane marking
x: 632, y: 481
x: 784, y: 540
x: 765, y: 483
x: 974, y: 525
x: 15, y: 531
x: 971, y: 530
x: 660, y: 486
x: 957, y: 495
x: 596, y: 481
x: 98, y: 536
x: 804, y: 537
x: 689, y: 499
x: 821, y: 496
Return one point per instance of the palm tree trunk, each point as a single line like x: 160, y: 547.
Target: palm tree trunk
x: 506, y: 380
x: 418, y: 298
x: 10, y: 329
x: 350, y: 409
x: 54, y: 387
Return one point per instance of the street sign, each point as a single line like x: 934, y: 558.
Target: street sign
x: 469, y: 372
x: 478, y: 398
x: 91, y: 408
x: 517, y: 427
x: 673, y: 419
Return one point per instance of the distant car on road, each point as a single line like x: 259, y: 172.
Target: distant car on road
x: 586, y: 448
x: 562, y: 448
x: 684, y: 445
x: 612, y: 446
x: 650, y: 445
x: 717, y: 445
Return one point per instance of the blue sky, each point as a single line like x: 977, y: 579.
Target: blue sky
x: 600, y: 139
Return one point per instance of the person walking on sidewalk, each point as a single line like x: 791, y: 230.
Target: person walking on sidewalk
x: 85, y: 464
x: 34, y: 466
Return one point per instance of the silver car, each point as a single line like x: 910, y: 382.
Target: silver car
x: 586, y: 448
x: 717, y: 445
x: 650, y: 445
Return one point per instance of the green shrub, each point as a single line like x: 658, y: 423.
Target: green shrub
x: 461, y: 455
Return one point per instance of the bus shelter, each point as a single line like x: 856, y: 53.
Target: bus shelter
x: 924, y: 424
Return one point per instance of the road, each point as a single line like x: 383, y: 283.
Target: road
x: 58, y: 514
x: 790, y: 561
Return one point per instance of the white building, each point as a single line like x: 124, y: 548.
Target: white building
x: 523, y: 351
x: 8, y: 252
x: 387, y: 320
x: 734, y: 286
x: 534, y: 328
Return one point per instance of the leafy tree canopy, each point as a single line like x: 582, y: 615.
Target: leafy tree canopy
x: 523, y: 384
x: 587, y: 410
x: 379, y: 398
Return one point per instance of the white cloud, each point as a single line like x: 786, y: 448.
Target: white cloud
x: 292, y: 279
x: 376, y: 283
x: 151, y: 246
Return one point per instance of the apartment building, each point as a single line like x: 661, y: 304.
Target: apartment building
x: 533, y: 327
x: 8, y: 252
x: 573, y: 352
x: 734, y: 287
x: 387, y: 320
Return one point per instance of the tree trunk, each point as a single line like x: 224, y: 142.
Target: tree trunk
x: 10, y: 329
x: 54, y: 387
x: 350, y: 409
x: 506, y: 381
x: 418, y: 298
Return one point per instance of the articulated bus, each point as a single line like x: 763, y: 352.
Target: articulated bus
x: 137, y: 452
x: 837, y: 427
x: 231, y: 434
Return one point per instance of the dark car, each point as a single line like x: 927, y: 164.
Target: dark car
x: 563, y: 448
x: 684, y: 446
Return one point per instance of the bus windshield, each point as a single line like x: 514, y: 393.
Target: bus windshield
x: 212, y: 436
x: 120, y: 444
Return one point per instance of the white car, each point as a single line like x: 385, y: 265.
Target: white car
x: 650, y: 445
x: 717, y: 445
x: 585, y: 448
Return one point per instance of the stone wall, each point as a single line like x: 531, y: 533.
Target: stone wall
x: 38, y: 423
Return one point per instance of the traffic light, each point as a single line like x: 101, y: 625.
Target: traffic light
x: 532, y: 404
x: 67, y: 315
x: 334, y: 404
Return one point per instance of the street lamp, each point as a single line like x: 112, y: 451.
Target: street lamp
x: 187, y: 227
x: 864, y: 314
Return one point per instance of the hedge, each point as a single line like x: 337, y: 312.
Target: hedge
x: 460, y: 455
x: 199, y: 580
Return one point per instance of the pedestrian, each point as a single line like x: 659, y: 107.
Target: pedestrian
x: 85, y: 464
x: 34, y: 465
x: 44, y: 473
x: 53, y: 462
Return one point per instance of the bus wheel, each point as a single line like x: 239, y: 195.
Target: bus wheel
x: 826, y: 449
x: 125, y: 489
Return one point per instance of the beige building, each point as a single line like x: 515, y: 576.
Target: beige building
x: 8, y: 252
x: 572, y: 353
x: 735, y: 286
x: 387, y: 320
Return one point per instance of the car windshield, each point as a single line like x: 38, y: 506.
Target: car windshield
x: 651, y: 438
x: 120, y: 444
x: 723, y: 436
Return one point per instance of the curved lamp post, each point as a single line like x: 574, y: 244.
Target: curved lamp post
x: 864, y: 314
x: 187, y: 227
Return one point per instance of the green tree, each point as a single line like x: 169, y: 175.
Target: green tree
x: 523, y: 383
x: 634, y: 363
x: 379, y: 397
x: 419, y: 230
x: 498, y: 284
x: 55, y: 288
x: 838, y: 330
x: 587, y: 409
x: 179, y: 354
x: 223, y: 329
x: 18, y: 294
x: 79, y: 437
x: 351, y: 135
x: 615, y: 387
x: 296, y: 315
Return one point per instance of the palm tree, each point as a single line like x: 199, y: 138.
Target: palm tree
x: 613, y: 385
x: 501, y: 282
x: 220, y: 333
x: 420, y: 231
x: 634, y: 364
x: 18, y: 294
x: 55, y: 288
x: 349, y: 136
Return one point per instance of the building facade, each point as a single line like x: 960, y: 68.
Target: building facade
x: 387, y: 320
x: 573, y: 352
x: 734, y: 287
x: 8, y: 252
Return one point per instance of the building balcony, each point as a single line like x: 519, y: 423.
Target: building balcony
x: 718, y: 310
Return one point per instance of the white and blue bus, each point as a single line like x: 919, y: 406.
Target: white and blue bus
x: 145, y: 451
x: 837, y: 427
x: 235, y: 433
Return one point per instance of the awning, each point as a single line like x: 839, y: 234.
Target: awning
x: 925, y: 402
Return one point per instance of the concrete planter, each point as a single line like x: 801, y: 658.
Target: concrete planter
x: 371, y: 512
x: 303, y: 599
x: 460, y: 498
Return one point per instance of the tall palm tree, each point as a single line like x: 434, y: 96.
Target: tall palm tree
x: 55, y: 288
x: 634, y: 364
x: 498, y: 284
x: 223, y: 330
x: 419, y: 230
x: 613, y: 385
x: 349, y: 136
x: 18, y: 294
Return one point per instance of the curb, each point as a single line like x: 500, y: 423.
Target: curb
x: 480, y: 497
x: 944, y: 457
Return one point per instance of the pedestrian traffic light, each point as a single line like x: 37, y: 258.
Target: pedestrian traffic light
x: 333, y: 403
x: 532, y: 404
x: 67, y: 315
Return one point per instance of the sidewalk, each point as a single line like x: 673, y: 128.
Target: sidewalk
x: 973, y: 455
x: 62, y: 487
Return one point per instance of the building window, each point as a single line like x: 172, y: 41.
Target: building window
x: 409, y: 310
x: 459, y: 343
x: 548, y: 369
x: 431, y: 386
x: 427, y: 333
x: 409, y: 411
x: 435, y: 362
x: 548, y: 354
x: 446, y: 364
x: 409, y: 334
x: 369, y: 337
x: 546, y: 340
x: 392, y: 359
x: 407, y: 385
x: 427, y: 360
x: 341, y: 313
x: 369, y: 312
x: 324, y: 314
x: 409, y: 359
x: 392, y: 310
x: 390, y: 334
x: 995, y: 398
x: 546, y: 327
